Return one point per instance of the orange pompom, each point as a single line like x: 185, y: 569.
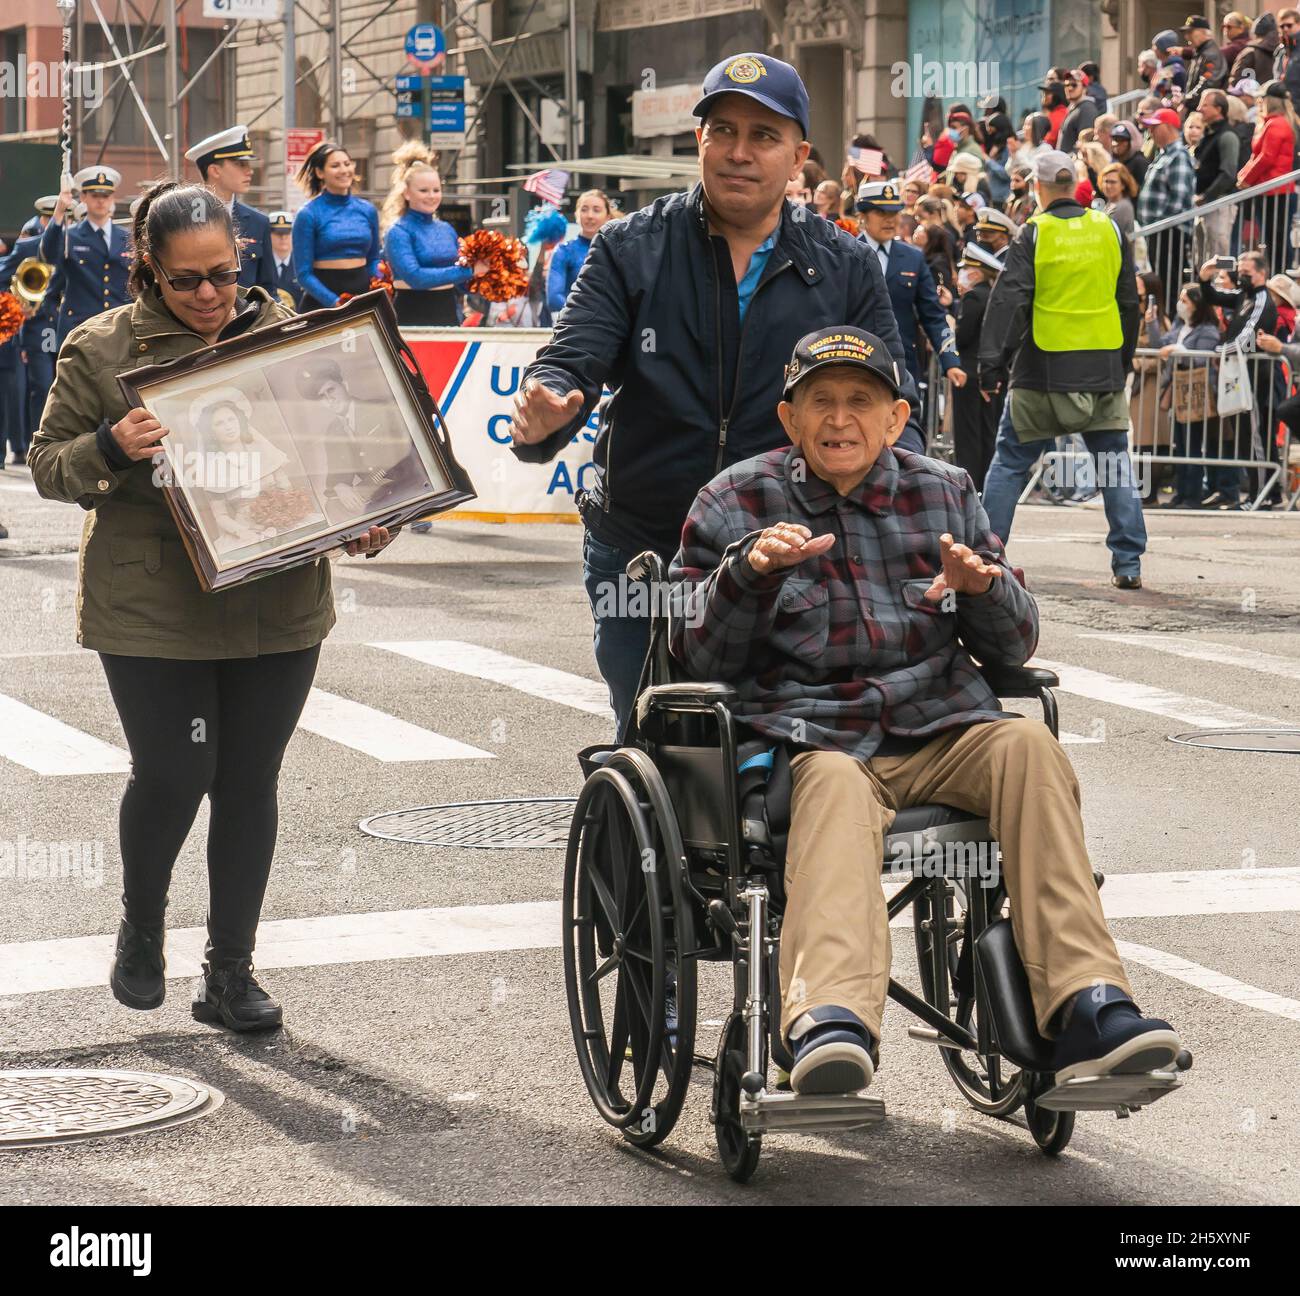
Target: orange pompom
x: 384, y: 279
x: 848, y: 226
x: 11, y: 316
x: 507, y: 260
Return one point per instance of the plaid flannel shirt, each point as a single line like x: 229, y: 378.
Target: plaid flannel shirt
x: 1169, y: 186
x: 844, y: 649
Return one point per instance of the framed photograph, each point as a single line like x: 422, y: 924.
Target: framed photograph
x: 290, y: 441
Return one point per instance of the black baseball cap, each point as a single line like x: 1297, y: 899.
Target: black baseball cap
x: 774, y: 84
x: 841, y: 345
x: 1197, y: 22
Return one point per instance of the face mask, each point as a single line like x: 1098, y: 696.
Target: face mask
x: 1184, y: 312
x: 953, y: 134
x: 968, y: 279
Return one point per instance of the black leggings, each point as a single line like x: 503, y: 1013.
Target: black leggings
x: 205, y: 727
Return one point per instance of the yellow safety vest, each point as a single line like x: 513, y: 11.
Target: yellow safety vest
x: 1076, y: 266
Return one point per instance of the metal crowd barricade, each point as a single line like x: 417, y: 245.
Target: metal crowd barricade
x: 1176, y: 427
x: 1118, y: 103
x: 1259, y: 217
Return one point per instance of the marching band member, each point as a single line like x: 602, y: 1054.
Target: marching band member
x: 37, y: 340
x: 336, y: 234
x: 44, y: 210
x: 225, y: 165
x: 286, y: 280
x: 94, y: 255
x: 420, y: 248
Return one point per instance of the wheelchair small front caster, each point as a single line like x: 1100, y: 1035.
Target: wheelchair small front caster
x: 1051, y: 1129
x: 1183, y: 1061
x: 738, y: 1148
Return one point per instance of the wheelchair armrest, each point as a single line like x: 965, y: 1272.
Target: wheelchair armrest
x: 687, y: 695
x: 1018, y: 681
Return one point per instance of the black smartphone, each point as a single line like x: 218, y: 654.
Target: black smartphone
x: 1225, y: 263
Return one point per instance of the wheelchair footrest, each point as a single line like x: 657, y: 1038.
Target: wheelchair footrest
x: 788, y: 1111
x: 1118, y: 1093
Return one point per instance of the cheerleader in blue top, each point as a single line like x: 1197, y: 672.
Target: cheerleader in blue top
x: 335, y: 235
x: 593, y: 210
x: 420, y: 249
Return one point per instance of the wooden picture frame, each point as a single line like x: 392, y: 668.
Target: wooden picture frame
x: 290, y: 441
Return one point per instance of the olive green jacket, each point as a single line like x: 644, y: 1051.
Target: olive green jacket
x: 137, y: 593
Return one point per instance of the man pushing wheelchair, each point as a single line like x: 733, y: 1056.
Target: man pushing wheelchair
x: 841, y: 586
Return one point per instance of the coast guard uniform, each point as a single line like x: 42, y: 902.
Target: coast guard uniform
x: 95, y: 261
x: 256, y: 261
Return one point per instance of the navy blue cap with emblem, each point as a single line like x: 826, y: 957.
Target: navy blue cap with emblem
x: 880, y: 195
x: 774, y: 84
x: 841, y: 345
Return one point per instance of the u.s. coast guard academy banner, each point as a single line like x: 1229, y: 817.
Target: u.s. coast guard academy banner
x: 474, y: 374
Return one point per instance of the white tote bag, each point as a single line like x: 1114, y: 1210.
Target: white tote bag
x: 1235, y: 393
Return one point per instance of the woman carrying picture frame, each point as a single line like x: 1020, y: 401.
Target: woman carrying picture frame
x: 209, y: 686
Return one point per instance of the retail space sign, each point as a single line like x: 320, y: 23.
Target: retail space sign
x: 245, y: 10
x: 666, y: 111
x: 298, y: 144
x: 426, y: 47
x: 474, y: 374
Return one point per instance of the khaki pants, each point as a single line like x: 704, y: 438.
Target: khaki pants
x: 1212, y: 235
x: 835, y: 933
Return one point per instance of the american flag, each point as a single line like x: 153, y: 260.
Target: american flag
x: 548, y: 185
x: 919, y: 170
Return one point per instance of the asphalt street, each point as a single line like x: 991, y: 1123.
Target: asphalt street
x: 409, y: 1076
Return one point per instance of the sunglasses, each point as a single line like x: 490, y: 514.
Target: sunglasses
x: 187, y: 283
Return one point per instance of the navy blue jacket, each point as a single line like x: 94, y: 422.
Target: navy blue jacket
x: 288, y: 280
x: 257, y: 261
x: 94, y: 278
x: 916, y: 302
x: 654, y: 315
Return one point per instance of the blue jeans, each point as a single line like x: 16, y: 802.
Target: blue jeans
x: 1013, y: 461
x: 620, y: 641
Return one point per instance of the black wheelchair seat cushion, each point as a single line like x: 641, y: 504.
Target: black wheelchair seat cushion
x: 919, y: 818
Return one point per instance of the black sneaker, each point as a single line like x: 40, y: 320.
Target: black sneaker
x: 137, y: 978
x: 228, y: 995
x: 1105, y: 1034
x: 1215, y: 499
x: 1126, y: 582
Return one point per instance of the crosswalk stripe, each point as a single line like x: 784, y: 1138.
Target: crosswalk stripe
x: 378, y: 734
x: 1203, y: 978
x: 29, y: 967
x: 1216, y: 654
x: 514, y: 672
x: 1199, y: 712
x: 48, y: 746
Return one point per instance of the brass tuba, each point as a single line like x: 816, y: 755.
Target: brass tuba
x: 31, y: 279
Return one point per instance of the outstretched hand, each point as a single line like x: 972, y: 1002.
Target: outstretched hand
x: 539, y: 412
x: 786, y: 545
x: 964, y: 571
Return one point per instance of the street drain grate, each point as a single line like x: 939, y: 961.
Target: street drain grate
x: 1251, y: 740
x: 523, y: 824
x: 43, y: 1108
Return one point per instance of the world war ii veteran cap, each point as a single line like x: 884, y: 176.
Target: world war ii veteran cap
x: 880, y: 195
x: 841, y: 345
x: 774, y: 84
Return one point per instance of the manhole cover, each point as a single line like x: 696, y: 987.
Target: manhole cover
x: 521, y: 824
x: 39, y: 1108
x: 1253, y: 740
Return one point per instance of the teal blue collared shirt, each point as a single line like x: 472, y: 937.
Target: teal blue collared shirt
x: 757, y: 263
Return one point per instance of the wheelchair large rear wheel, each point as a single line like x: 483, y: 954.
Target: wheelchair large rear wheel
x: 627, y: 938
x: 987, y: 1081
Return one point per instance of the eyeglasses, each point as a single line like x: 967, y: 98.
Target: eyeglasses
x: 188, y: 283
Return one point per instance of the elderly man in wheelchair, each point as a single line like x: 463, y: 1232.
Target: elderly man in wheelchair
x: 837, y: 584
x: 838, y: 593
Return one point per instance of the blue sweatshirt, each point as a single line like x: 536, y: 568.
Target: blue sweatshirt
x: 566, y: 261
x: 333, y: 227
x: 422, y: 251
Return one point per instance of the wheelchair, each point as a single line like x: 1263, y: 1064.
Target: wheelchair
x: 676, y: 855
